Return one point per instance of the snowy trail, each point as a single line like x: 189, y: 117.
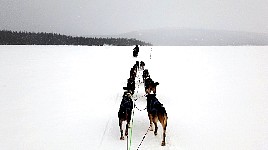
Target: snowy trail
x: 67, y: 97
x: 111, y: 136
x: 140, y: 118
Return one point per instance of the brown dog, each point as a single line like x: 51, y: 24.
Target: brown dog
x: 150, y: 85
x: 156, y: 112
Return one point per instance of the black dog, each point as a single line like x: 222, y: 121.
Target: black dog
x: 145, y: 74
x: 137, y: 65
x: 124, y: 113
x: 136, y: 51
x: 131, y: 85
x: 142, y: 64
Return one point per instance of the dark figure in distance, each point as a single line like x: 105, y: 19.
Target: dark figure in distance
x: 136, y: 51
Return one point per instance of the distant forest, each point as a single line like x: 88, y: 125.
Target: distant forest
x: 41, y: 38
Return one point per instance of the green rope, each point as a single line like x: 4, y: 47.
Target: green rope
x: 130, y: 141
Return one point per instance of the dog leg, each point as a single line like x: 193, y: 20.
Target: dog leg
x: 164, y: 138
x: 126, y: 131
x: 155, y: 124
x: 151, y: 121
x: 148, y: 91
x: 153, y: 89
x: 121, y: 130
x: 164, y: 125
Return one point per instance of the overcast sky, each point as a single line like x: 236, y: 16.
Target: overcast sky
x: 102, y: 17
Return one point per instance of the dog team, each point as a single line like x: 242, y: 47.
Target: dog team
x: 156, y: 111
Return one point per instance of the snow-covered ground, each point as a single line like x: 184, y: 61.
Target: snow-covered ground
x: 67, y: 97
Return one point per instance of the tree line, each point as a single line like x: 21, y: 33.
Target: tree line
x: 43, y: 38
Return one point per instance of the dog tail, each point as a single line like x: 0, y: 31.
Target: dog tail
x: 126, y: 88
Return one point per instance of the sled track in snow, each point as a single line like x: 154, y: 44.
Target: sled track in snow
x: 117, y: 97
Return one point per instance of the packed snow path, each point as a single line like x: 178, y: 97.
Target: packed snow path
x: 67, y: 97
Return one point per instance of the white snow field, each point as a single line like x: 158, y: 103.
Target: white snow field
x: 67, y: 97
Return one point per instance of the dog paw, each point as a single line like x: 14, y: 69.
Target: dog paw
x: 163, y: 143
x: 121, y: 138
